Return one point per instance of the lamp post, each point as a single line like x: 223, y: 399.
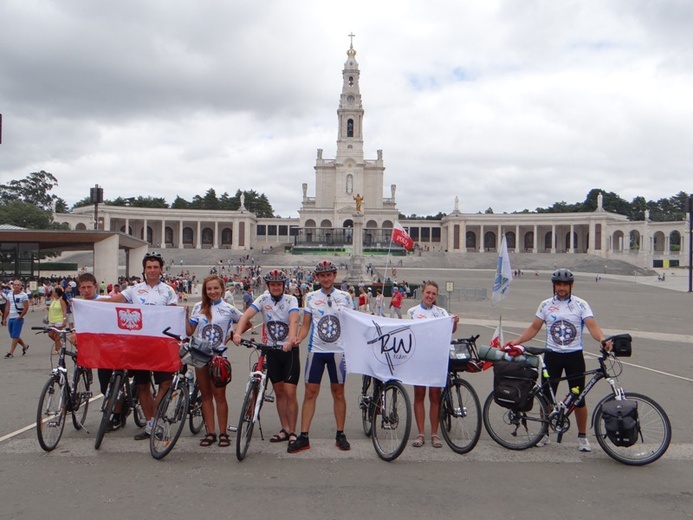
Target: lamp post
x: 96, y: 196
x: 690, y: 243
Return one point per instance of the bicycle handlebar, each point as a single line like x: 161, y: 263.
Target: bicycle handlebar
x: 470, y: 339
x: 180, y: 339
x: 45, y: 330
x: 250, y: 343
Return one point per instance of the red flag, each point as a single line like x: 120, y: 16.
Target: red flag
x: 401, y: 237
x: 122, y: 336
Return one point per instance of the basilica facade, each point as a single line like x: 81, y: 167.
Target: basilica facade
x: 349, y: 185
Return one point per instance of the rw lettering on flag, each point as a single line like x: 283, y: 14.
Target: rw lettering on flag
x: 127, y: 336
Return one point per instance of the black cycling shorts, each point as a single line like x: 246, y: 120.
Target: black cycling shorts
x: 573, y: 363
x: 142, y: 377
x: 284, y: 367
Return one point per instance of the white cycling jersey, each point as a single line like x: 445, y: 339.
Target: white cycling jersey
x: 275, y: 315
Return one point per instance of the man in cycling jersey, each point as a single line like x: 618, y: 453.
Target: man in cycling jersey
x: 153, y: 291
x: 565, y: 316
x: 280, y: 316
x: 321, y: 325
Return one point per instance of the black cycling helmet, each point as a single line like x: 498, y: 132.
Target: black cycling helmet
x: 562, y: 276
x: 275, y: 275
x: 325, y: 267
x: 153, y: 256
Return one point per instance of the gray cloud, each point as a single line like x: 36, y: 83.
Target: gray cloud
x: 509, y: 105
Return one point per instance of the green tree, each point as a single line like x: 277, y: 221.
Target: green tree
x: 180, y: 203
x: 23, y: 214
x: 33, y: 189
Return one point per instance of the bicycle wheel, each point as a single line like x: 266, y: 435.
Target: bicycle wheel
x: 391, y: 418
x: 50, y: 416
x: 366, y: 403
x: 196, y: 421
x: 169, y: 420
x: 108, y: 407
x: 80, y: 397
x: 246, y: 421
x: 654, y: 437
x: 516, y: 430
x: 137, y: 413
x: 460, y: 416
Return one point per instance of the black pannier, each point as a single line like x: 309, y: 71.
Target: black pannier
x: 512, y: 383
x: 621, y: 421
x: 621, y: 345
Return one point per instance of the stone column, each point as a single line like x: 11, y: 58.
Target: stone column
x: 106, y: 259
x: 163, y: 234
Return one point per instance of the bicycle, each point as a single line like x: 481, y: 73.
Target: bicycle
x: 515, y: 429
x: 254, y: 397
x: 176, y: 404
x: 61, y: 395
x: 460, y: 409
x: 119, y: 390
x: 383, y: 412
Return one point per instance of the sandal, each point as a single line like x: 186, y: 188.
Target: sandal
x: 420, y: 440
x: 209, y: 439
x: 435, y: 441
x: 282, y: 436
x: 224, y: 441
x: 292, y: 437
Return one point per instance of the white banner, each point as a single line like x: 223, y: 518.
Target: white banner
x: 414, y: 352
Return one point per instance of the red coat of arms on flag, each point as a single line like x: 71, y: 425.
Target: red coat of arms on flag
x: 129, y: 318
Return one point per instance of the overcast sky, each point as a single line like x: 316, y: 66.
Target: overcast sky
x: 506, y: 104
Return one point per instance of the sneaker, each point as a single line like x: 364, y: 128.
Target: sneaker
x: 545, y: 441
x: 143, y: 435
x: 24, y: 349
x: 342, y: 443
x: 301, y: 443
x: 114, y: 425
x: 584, y: 444
x: 8, y: 356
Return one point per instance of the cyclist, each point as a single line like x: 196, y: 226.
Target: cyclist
x: 321, y: 320
x: 15, y: 310
x: 88, y: 289
x: 153, y: 291
x: 425, y: 310
x: 211, y: 320
x: 565, y: 316
x: 280, y: 316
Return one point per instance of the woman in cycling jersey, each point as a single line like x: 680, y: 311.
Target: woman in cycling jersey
x: 211, y: 320
x: 425, y: 310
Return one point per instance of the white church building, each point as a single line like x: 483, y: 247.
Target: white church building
x: 349, y: 182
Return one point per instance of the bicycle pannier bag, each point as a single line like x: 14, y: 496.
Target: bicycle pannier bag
x: 621, y: 421
x: 512, y: 383
x: 622, y: 345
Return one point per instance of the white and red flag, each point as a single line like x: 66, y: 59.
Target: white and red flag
x: 401, y: 237
x: 121, y: 336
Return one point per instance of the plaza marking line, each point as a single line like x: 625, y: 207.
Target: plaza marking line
x: 648, y: 335
x: 33, y: 425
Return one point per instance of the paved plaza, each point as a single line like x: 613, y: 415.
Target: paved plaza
x: 122, y: 480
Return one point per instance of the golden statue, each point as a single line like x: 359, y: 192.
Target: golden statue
x: 359, y: 202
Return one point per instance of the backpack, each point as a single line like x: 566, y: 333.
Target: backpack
x: 512, y: 383
x: 621, y: 421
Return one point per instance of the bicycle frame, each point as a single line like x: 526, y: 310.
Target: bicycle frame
x: 562, y: 410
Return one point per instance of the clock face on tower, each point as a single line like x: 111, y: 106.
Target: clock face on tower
x: 350, y: 99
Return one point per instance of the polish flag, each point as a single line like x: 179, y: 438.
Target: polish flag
x: 122, y: 336
x: 400, y: 236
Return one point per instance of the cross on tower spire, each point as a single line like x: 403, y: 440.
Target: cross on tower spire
x: 351, y: 37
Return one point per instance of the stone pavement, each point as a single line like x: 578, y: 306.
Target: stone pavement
x: 122, y: 480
